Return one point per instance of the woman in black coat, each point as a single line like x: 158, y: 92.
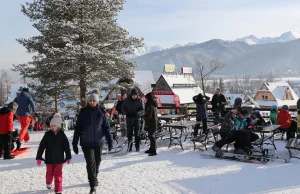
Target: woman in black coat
x: 201, y: 103
x: 151, y: 122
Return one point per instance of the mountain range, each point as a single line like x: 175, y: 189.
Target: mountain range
x: 251, y: 39
x: 239, y: 57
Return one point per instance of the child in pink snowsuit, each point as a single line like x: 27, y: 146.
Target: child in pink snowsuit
x: 56, y: 144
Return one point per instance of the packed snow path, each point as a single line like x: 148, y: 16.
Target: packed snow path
x: 172, y: 171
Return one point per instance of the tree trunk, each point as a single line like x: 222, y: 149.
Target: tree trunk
x: 203, y: 86
x: 56, y: 103
x: 82, y: 85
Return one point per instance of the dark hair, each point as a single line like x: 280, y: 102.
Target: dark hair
x: 25, y: 90
x: 200, y: 98
x: 243, y: 112
x: 218, y: 89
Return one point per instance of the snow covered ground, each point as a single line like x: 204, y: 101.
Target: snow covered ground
x: 172, y: 171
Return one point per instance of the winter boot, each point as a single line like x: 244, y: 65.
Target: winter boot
x: 130, y: 146
x: 58, y: 193
x: 147, y: 151
x: 9, y: 157
x: 217, y: 150
x: 152, y: 154
x: 93, y: 190
x: 49, y: 186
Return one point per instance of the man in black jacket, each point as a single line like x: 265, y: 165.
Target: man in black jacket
x: 218, y: 103
x: 133, y: 109
x: 91, y: 126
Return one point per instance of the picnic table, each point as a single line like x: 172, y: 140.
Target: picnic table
x: 181, y: 126
x: 271, y: 130
x: 168, y: 118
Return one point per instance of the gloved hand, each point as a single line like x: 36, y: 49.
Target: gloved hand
x: 39, y: 162
x: 110, y: 146
x: 75, y: 149
x: 68, y: 161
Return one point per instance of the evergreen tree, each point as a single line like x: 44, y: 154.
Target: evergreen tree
x: 80, y: 42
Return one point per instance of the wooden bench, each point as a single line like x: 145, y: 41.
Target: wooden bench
x: 293, y: 144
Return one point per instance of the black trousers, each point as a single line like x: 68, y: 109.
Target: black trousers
x: 92, y: 157
x: 151, y: 135
x: 226, y: 138
x: 196, y: 128
x: 5, y: 144
x: 133, y: 125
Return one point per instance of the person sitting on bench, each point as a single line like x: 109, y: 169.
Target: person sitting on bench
x: 284, y: 119
x: 229, y: 132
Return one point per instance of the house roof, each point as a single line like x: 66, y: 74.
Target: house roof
x: 278, y: 90
x: 185, y: 93
x: 143, y: 79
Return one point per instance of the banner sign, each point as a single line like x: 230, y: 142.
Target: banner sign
x: 186, y: 70
x: 159, y: 105
x: 163, y: 92
x: 185, y: 85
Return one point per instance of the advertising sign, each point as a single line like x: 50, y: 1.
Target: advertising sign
x: 170, y: 68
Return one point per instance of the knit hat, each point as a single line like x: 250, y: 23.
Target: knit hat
x: 285, y: 107
x: 56, y: 120
x: 134, y: 92
x: 93, y: 96
x: 256, y: 113
x: 274, y: 107
x: 25, y: 89
x: 15, y: 134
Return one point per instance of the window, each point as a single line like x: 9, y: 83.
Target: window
x: 264, y: 97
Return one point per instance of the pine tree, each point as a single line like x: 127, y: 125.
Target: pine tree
x: 80, y: 42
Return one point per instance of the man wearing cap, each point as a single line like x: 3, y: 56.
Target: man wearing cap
x: 91, y: 126
x: 25, y: 111
x: 6, y: 129
x: 133, y: 109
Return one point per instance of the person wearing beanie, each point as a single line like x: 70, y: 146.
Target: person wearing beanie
x: 25, y: 110
x: 120, y: 103
x: 91, y: 126
x: 284, y: 118
x: 133, y: 109
x: 151, y: 122
x: 57, y: 147
x: 6, y: 129
x: 273, y: 114
x: 15, y: 139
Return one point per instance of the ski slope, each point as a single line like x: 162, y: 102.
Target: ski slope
x: 172, y: 171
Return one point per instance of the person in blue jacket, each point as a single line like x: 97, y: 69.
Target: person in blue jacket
x: 25, y: 110
x: 91, y: 126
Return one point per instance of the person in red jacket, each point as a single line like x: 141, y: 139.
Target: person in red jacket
x: 6, y: 129
x: 284, y: 118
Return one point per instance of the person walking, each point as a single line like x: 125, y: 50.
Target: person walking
x: 133, y: 109
x: 25, y: 110
x: 56, y: 144
x: 91, y: 126
x: 151, y: 122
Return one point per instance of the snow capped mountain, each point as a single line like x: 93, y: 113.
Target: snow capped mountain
x: 285, y: 37
x: 145, y: 50
x: 249, y: 39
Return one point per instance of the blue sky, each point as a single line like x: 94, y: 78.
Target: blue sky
x: 169, y: 22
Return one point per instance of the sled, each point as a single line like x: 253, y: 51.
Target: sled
x: 20, y: 151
